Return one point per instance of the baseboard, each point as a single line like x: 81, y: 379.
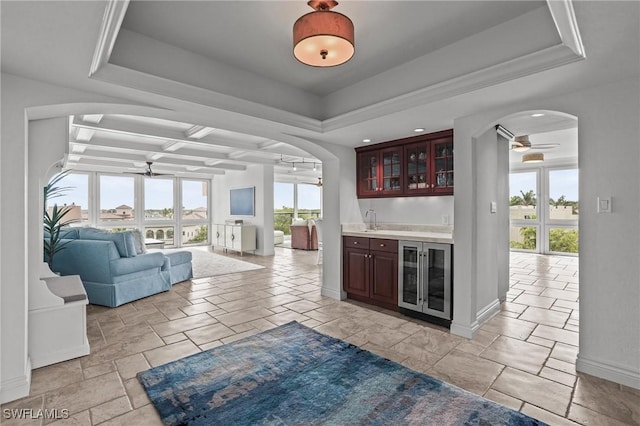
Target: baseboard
x: 59, y: 356
x: 470, y: 331
x: 17, y: 387
x: 331, y: 293
x: 608, y: 371
x: 486, y: 313
x: 463, y: 330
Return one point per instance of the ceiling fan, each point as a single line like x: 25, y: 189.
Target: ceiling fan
x: 149, y: 172
x: 318, y: 183
x: 522, y: 143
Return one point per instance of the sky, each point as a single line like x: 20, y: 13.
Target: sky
x: 561, y: 182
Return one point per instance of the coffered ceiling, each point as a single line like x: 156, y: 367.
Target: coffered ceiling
x: 227, y: 67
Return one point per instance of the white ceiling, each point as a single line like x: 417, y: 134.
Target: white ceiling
x: 256, y: 36
x: 228, y: 65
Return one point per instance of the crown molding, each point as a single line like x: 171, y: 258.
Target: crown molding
x: 565, y: 19
x: 109, y: 28
x: 569, y: 50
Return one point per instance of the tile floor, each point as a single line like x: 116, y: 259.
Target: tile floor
x: 522, y: 358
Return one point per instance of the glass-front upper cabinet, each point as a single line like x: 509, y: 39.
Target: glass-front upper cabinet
x: 418, y: 167
x: 442, y: 151
x: 368, y: 173
x: 391, y: 170
x: 415, y: 166
x: 380, y: 172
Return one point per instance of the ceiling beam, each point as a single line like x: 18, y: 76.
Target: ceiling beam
x: 93, y: 152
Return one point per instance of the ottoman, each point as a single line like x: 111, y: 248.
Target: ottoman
x: 278, y: 237
x: 178, y: 263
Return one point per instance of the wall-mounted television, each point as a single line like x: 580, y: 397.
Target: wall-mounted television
x: 242, y: 201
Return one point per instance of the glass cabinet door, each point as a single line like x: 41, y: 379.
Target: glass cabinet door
x: 443, y: 165
x: 408, y: 283
x: 368, y: 178
x: 391, y: 167
x: 417, y: 167
x: 436, y: 264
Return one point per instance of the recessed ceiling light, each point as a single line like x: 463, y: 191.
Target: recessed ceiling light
x: 537, y: 114
x: 418, y: 129
x: 366, y: 140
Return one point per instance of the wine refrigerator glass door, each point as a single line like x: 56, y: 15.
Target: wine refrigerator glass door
x: 436, y: 271
x: 410, y: 275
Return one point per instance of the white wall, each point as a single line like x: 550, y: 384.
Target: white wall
x: 609, y: 153
x: 260, y: 177
x: 485, y: 148
x: 21, y: 97
x: 413, y: 210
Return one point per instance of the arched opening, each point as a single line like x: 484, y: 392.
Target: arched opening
x: 498, y: 203
x: 159, y: 234
x: 56, y: 152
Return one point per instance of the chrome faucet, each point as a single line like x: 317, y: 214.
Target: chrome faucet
x: 371, y: 214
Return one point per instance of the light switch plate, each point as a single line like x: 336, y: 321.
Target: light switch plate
x: 494, y: 207
x: 604, y: 205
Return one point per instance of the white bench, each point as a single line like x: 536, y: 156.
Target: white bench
x: 57, y: 319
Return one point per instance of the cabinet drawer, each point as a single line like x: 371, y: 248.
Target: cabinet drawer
x: 356, y: 242
x: 380, y: 244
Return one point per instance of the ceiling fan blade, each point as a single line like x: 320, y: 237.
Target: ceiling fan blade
x: 545, y: 146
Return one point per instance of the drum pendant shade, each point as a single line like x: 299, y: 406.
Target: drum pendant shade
x: 323, y: 38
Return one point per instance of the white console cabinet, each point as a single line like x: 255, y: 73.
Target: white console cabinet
x: 236, y: 237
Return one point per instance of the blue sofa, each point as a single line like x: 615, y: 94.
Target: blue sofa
x: 115, y: 268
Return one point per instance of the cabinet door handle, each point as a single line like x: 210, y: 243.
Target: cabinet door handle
x: 355, y: 243
x: 382, y: 245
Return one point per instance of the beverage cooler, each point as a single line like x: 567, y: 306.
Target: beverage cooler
x: 424, y: 278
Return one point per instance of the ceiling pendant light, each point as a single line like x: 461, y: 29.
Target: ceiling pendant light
x: 533, y: 157
x: 323, y: 38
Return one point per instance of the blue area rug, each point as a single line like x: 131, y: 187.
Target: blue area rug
x: 293, y: 375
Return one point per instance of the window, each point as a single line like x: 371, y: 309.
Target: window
x: 158, y: 199
x: 75, y: 197
x: 195, y: 199
x: 116, y: 199
x: 563, y: 195
x: 544, y: 210
x: 523, y: 211
x: 522, y: 196
x: 195, y: 212
x: 284, y: 206
x: 151, y: 205
x: 309, y: 201
x: 162, y: 233
x: 562, y: 223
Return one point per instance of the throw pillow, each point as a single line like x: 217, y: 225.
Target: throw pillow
x: 139, y: 242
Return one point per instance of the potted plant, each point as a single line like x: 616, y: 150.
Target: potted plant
x: 55, y: 220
